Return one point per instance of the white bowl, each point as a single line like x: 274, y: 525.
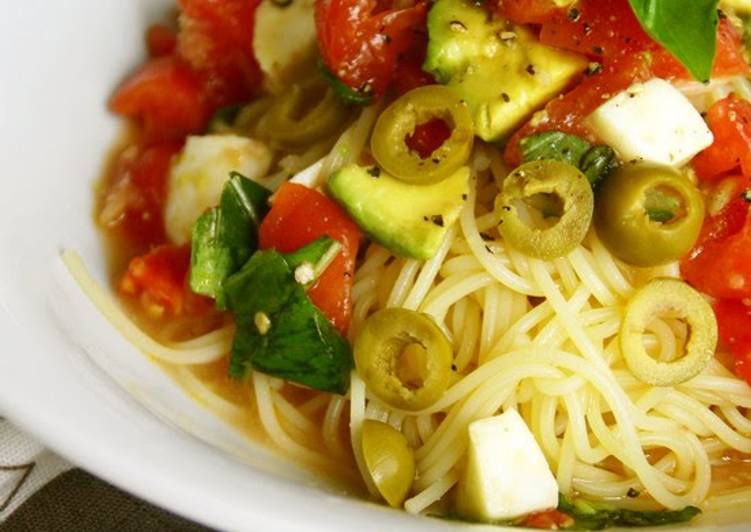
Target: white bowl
x: 65, y: 375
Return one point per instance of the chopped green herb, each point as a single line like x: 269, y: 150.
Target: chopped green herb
x: 225, y: 237
x: 279, y: 331
x: 596, y: 162
x: 688, y: 30
x: 598, y: 516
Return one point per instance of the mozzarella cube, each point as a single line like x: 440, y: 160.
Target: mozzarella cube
x: 652, y: 122
x: 284, y: 39
x: 196, y: 179
x: 506, y: 474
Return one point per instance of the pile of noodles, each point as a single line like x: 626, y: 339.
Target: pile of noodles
x: 539, y: 337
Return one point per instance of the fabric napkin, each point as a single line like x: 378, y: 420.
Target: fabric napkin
x: 40, y: 492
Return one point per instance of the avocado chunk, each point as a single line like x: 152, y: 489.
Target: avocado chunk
x: 500, y: 69
x: 409, y: 220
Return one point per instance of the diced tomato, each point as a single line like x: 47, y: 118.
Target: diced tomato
x: 216, y: 40
x: 526, y: 11
x: 548, y: 520
x: 409, y: 73
x: 159, y: 280
x: 720, y: 263
x: 134, y: 200
x: 361, y: 40
x: 566, y: 113
x: 598, y: 28
x: 730, y: 122
x: 300, y: 215
x: 160, y: 40
x: 607, y: 29
x: 166, y: 97
x: 734, y: 327
x: 428, y: 137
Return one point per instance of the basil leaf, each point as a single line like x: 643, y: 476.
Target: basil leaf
x: 555, y: 145
x: 279, y: 330
x: 595, y: 162
x: 598, y: 163
x: 597, y: 516
x: 686, y: 28
x: 225, y: 237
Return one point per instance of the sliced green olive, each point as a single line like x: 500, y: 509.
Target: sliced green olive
x: 648, y: 215
x: 404, y: 358
x: 545, y: 208
x: 399, y: 120
x: 389, y: 459
x: 676, y: 299
x: 289, y: 122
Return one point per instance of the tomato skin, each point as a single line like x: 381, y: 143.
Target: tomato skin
x: 730, y: 122
x: 720, y: 263
x: 216, y: 41
x: 548, y: 520
x: 608, y: 29
x: 159, y: 280
x: 597, y: 28
x: 300, y: 215
x: 160, y: 40
x: 526, y: 11
x: 734, y: 328
x: 166, y: 97
x: 409, y: 73
x: 134, y: 200
x: 361, y: 43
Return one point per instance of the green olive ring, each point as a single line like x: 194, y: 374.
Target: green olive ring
x: 623, y: 223
x: 392, y: 338
x: 389, y: 460
x: 555, y: 178
x: 678, y: 298
x: 398, y: 121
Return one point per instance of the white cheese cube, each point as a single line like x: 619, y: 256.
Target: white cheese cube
x: 196, y: 179
x: 652, y: 122
x: 284, y: 39
x: 506, y: 474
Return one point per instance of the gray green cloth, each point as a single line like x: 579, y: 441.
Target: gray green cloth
x: 40, y: 492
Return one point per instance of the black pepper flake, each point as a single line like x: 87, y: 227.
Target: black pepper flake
x: 530, y: 69
x: 487, y: 248
x: 505, y: 97
x: 573, y: 14
x: 586, y: 28
x: 632, y: 493
x: 597, y: 50
x: 453, y: 367
x: 281, y: 3
x: 437, y: 219
x: 436, y: 160
x: 486, y: 237
x: 374, y: 171
x: 506, y: 208
x: 387, y: 38
x: 464, y: 197
x: 425, y: 218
